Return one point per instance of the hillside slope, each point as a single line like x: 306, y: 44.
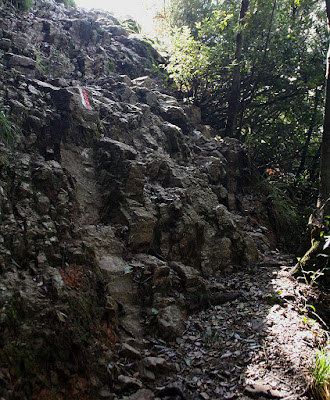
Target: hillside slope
x: 117, y: 205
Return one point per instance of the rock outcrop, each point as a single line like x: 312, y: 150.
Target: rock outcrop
x: 116, y: 204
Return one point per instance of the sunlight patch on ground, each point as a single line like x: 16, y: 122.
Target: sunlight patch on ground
x: 288, y: 347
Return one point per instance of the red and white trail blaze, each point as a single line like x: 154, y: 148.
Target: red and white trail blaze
x: 84, y: 98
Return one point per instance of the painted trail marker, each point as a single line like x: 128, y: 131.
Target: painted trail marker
x: 84, y: 98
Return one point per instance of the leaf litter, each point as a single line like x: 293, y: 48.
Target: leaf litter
x: 256, y: 346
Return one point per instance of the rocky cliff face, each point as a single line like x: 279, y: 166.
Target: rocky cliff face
x: 116, y: 205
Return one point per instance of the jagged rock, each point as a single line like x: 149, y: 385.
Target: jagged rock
x: 130, y: 352
x: 22, y: 62
x: 150, y: 367
x: 170, y: 322
x: 156, y: 364
x: 5, y: 44
x: 193, y: 282
x: 143, y: 81
x: 194, y: 114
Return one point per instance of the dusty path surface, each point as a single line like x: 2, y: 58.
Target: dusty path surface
x: 260, y: 345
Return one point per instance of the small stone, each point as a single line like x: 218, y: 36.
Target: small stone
x: 143, y: 81
x: 143, y: 394
x: 260, y: 389
x: 42, y: 259
x: 130, y: 352
x: 33, y: 90
x: 128, y: 383
x: 42, y: 204
x: 5, y: 44
x: 105, y: 393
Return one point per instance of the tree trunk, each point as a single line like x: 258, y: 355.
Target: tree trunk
x: 323, y: 203
x: 235, y: 92
x: 310, y: 262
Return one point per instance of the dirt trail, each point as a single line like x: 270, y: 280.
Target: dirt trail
x: 257, y: 346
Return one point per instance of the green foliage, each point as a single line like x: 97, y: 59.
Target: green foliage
x: 313, y: 267
x: 282, y: 209
x: 111, y: 66
x: 186, y: 62
x: 40, y: 65
x: 194, y: 61
x: 188, y: 13
x: 282, y: 73
x: 67, y: 3
x: 131, y: 25
x: 24, y: 5
x: 21, y: 5
x: 320, y: 387
x: 9, y: 131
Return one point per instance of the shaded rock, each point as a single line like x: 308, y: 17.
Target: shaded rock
x: 170, y: 322
x: 130, y: 352
x: 156, y: 364
x: 259, y: 389
x: 222, y: 297
x: 141, y: 228
x: 118, y: 150
x: 143, y: 394
x: 25, y: 63
x: 126, y: 383
x: 194, y: 283
x: 194, y: 114
x: 105, y: 393
x: 161, y: 278
x: 151, y: 367
x: 118, y: 30
x: 5, y: 44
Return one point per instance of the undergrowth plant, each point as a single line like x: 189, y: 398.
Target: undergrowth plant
x: 24, y: 5
x: 67, y: 3
x: 9, y: 131
x: 283, y: 211
x: 314, y: 266
x: 320, y: 386
x: 21, y: 5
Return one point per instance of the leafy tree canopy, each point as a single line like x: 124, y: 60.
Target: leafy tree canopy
x: 281, y: 70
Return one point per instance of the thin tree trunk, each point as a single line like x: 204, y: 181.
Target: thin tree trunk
x: 309, y: 133
x: 235, y: 92
x: 313, y: 172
